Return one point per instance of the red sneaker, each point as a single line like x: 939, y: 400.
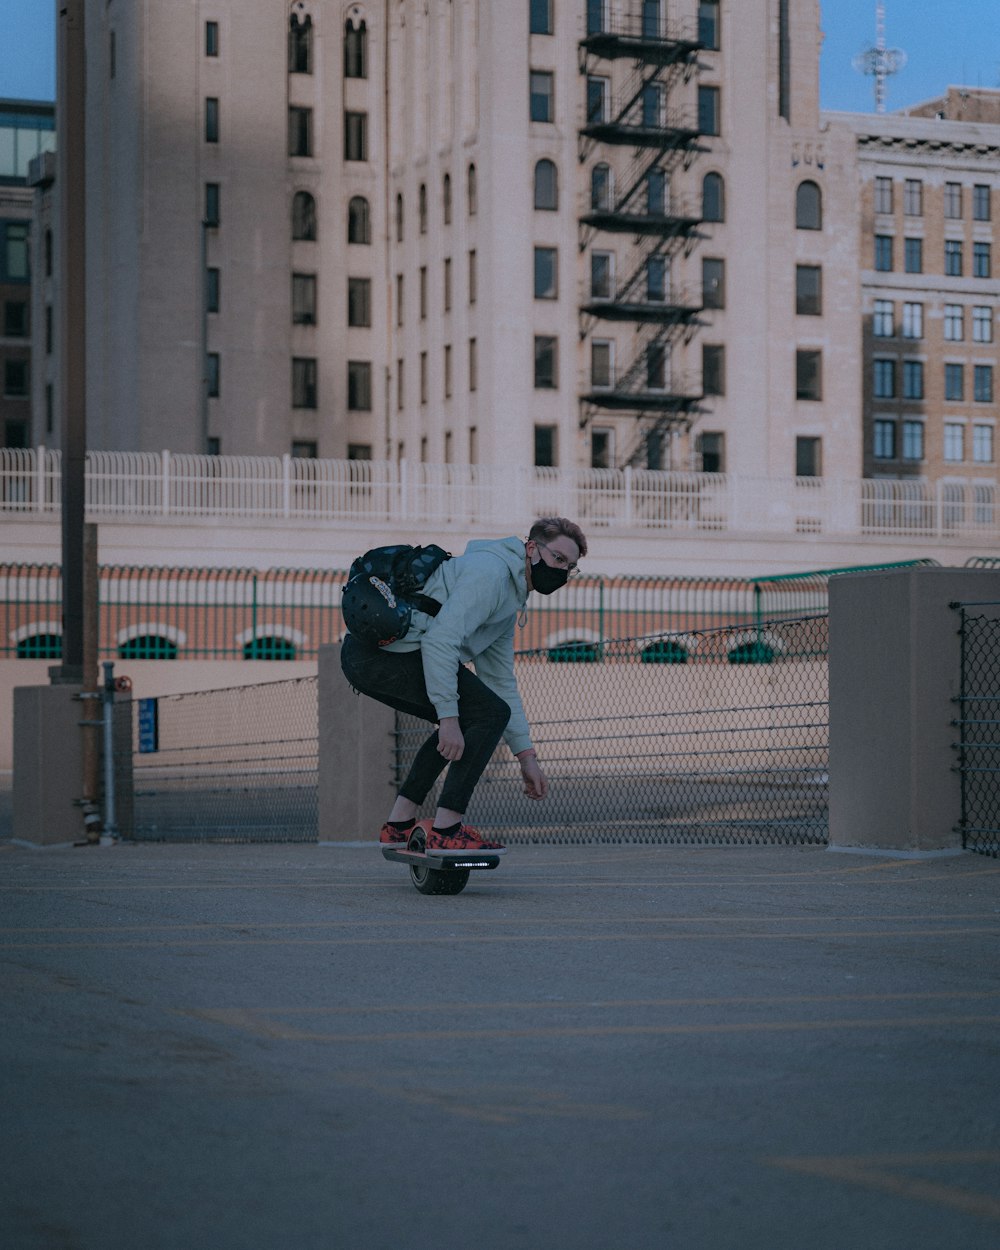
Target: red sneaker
x: 465, y: 841
x: 394, y: 837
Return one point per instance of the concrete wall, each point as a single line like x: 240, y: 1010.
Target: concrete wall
x: 895, y: 671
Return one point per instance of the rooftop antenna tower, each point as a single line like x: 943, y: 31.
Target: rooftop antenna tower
x: 878, y: 61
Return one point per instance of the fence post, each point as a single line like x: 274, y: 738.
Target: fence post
x: 40, y: 478
x: 356, y: 757
x: 286, y: 485
x: 165, y: 482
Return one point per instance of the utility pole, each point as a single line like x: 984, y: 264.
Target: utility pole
x: 71, y: 190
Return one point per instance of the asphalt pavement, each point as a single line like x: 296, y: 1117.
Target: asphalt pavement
x: 591, y: 1048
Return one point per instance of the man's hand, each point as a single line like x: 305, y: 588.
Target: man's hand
x: 451, y: 741
x: 536, y: 784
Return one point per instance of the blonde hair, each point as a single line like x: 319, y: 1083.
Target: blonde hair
x: 548, y: 527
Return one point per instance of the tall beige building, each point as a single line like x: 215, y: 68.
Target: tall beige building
x: 573, y: 232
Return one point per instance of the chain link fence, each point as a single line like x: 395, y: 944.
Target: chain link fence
x: 978, y: 724
x: 706, y: 736
x: 236, y: 765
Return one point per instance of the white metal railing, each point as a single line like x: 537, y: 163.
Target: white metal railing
x: 172, y: 485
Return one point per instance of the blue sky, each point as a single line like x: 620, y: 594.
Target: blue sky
x: 951, y: 41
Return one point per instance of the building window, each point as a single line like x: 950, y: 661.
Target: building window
x: 709, y: 111
x: 602, y: 444
x: 446, y: 199
x: 913, y: 379
x: 473, y: 276
x: 546, y: 363
x: 14, y: 261
x: 713, y: 369
x: 602, y: 275
x: 656, y: 193
x: 652, y: 106
x: 982, y: 384
x: 713, y: 282
x: 982, y: 323
x: 355, y: 136
x: 447, y: 371
x: 422, y: 275
x: 355, y: 49
x: 913, y: 197
x: 656, y: 280
x: 447, y: 284
x: 399, y: 219
x: 953, y: 199
x: 422, y: 208
x: 424, y: 381
x: 545, y: 446
x: 953, y: 258
x: 211, y: 38
x: 213, y: 375
x: 303, y: 382
x: 211, y: 119
x: 359, y: 386
x: 954, y: 329
x: 473, y: 368
x: 602, y: 375
x: 597, y: 100
x: 954, y: 442
x: 304, y: 299
x: 212, y: 201
x: 913, y: 255
x: 981, y: 263
x: 710, y: 449
x: 982, y: 444
x: 472, y: 191
x: 546, y: 273
x: 808, y: 207
x: 708, y: 23
x: 212, y: 289
x: 15, y: 319
x: 546, y: 185
x: 596, y: 13
x: 540, y: 17
x: 303, y: 216
x: 954, y: 382
x: 600, y: 187
x: 882, y: 321
x: 913, y: 320
x: 359, y: 302
x: 541, y: 95
x: 884, y: 440
x: 656, y: 367
x: 300, y: 45
x: 884, y: 379
x: 713, y: 198
x: 808, y: 374
x: 913, y: 440
x: 358, y: 220
x: 400, y: 385
x: 299, y: 132
x: 883, y: 195
x: 980, y: 202
x: 808, y: 457
x: 883, y: 253
x: 15, y: 379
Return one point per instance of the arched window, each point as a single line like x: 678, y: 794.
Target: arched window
x: 399, y: 218
x: 358, y: 223
x: 269, y: 647
x: 546, y: 185
x: 472, y: 191
x: 355, y: 48
x: 808, y: 207
x: 303, y: 216
x: 300, y: 42
x: 446, y: 196
x: 600, y: 186
x: 713, y: 198
x: 148, y: 647
x: 422, y: 207
x: 41, y: 646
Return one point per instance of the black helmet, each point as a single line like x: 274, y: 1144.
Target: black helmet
x: 372, y: 612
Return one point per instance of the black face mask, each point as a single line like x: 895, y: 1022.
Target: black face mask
x: 545, y: 579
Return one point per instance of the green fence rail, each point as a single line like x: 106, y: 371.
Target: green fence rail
x: 159, y: 613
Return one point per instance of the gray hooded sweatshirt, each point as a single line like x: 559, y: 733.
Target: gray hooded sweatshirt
x: 481, y: 594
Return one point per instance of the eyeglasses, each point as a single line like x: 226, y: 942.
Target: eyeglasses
x: 560, y: 561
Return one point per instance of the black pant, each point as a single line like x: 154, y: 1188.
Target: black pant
x: 397, y: 679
